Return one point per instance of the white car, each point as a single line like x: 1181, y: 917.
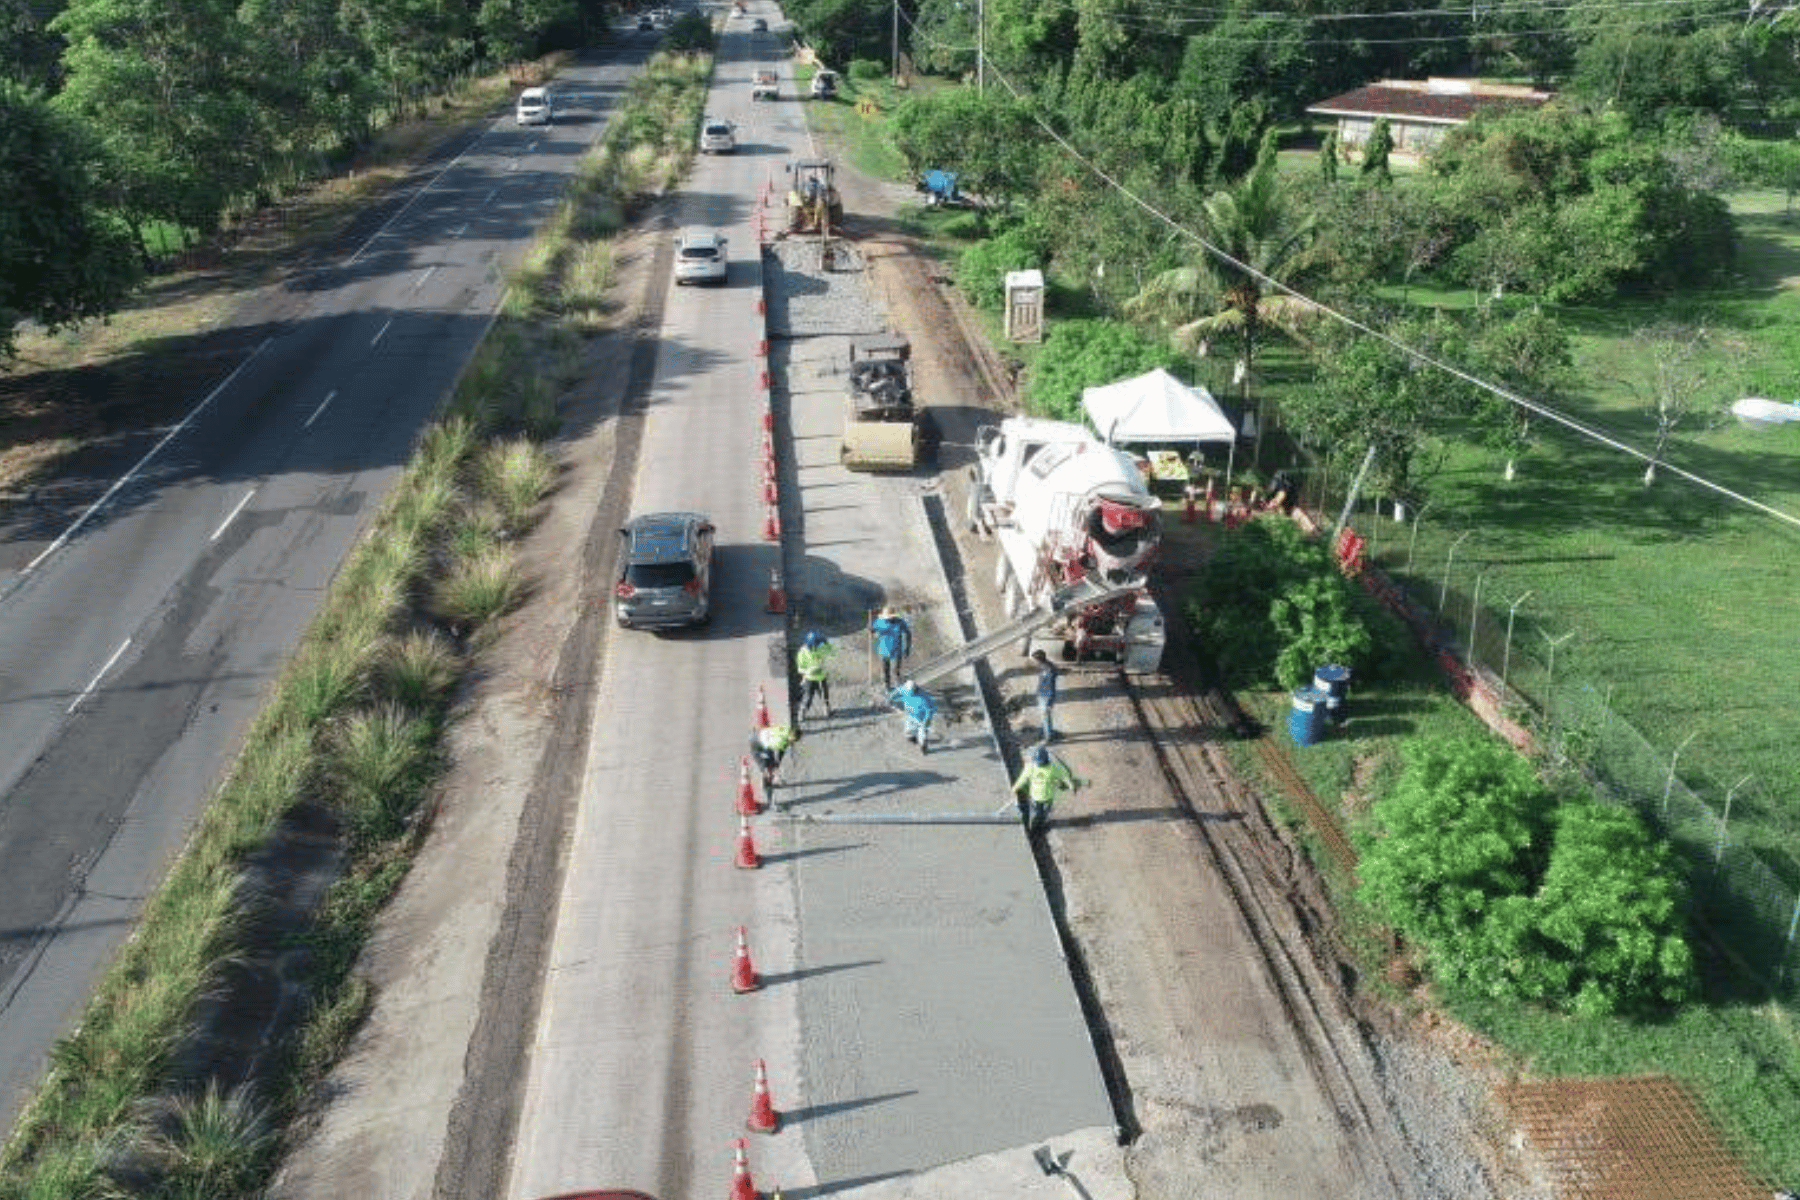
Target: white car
x: 717, y: 136
x: 700, y: 257
x: 535, y: 107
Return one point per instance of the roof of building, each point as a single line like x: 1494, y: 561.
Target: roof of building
x: 1428, y: 101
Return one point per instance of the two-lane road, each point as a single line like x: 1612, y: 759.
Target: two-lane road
x: 136, y: 644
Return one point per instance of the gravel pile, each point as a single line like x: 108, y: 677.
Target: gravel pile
x: 806, y: 300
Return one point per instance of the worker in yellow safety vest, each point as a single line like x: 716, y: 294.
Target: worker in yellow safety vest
x: 1040, y: 785
x: 815, y: 652
x: 770, y: 745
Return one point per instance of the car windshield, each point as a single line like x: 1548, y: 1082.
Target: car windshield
x: 659, y: 575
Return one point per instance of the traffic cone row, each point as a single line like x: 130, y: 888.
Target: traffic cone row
x: 762, y: 707
x: 777, y: 595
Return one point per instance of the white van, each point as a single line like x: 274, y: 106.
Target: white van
x: 535, y: 107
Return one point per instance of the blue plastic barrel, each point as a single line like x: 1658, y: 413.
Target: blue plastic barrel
x: 1335, y: 682
x: 1306, y: 723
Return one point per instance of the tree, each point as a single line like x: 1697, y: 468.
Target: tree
x: 1328, y: 157
x: 182, y: 130
x: 1251, y: 234
x: 1682, y: 365
x: 514, y: 30
x: 1573, y: 206
x: 989, y: 139
x: 1376, y: 151
x: 62, y: 260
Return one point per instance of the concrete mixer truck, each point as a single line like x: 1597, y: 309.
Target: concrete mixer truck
x: 1077, y: 530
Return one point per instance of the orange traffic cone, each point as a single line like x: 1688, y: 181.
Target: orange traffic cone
x: 1187, y: 509
x: 741, y: 1187
x: 747, y: 803
x: 769, y: 494
x: 762, y: 708
x: 777, y: 596
x: 768, y: 449
x: 771, y: 526
x: 763, y: 1117
x: 743, y: 972
x: 747, y: 857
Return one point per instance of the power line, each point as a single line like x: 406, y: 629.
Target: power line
x: 1421, y: 357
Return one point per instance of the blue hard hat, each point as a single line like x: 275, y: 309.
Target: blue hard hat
x: 1041, y: 756
x: 814, y: 638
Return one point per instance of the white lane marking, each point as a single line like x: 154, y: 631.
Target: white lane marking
x: 460, y: 230
x: 512, y: 164
x: 317, y: 411
x: 232, y: 515
x: 382, y: 332
x: 98, y: 676
x: 62, y: 539
x: 360, y: 250
x: 421, y: 280
x: 491, y: 195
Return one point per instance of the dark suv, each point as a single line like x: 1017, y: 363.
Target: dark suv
x: 665, y: 570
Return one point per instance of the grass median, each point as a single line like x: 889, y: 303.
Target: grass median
x: 349, y: 739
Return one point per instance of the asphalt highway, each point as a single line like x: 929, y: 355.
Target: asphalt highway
x: 139, y: 637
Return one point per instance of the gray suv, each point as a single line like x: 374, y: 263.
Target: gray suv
x: 665, y: 571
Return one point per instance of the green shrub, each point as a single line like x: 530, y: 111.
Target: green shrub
x: 1516, y: 894
x: 981, y: 271
x: 1317, y: 622
x: 865, y: 69
x: 1084, y: 354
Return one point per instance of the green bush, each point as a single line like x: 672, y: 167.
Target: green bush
x: 1084, y: 354
x: 865, y: 69
x: 1514, y: 893
x: 981, y: 271
x: 1317, y: 622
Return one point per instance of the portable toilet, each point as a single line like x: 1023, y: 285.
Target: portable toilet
x: 1024, y: 306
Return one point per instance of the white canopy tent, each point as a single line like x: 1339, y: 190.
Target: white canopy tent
x: 1157, y: 407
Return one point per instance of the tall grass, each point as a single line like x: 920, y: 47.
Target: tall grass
x: 515, y: 475
x: 477, y: 589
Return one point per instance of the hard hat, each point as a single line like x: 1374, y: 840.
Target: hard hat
x: 909, y: 686
x: 888, y: 612
x: 1041, y: 756
x: 814, y: 638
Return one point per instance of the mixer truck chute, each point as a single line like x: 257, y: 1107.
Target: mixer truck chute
x: 1078, y: 531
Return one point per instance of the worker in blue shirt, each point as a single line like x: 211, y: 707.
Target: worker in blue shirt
x: 919, y: 708
x: 1048, y: 675
x: 893, y: 642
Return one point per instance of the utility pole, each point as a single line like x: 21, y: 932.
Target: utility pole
x: 981, y: 46
x: 896, y: 41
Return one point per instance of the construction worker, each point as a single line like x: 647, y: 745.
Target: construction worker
x: 770, y: 745
x: 919, y: 708
x: 893, y: 642
x: 811, y: 659
x: 1048, y: 675
x: 1040, y: 785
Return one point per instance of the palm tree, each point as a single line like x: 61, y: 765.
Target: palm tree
x: 1250, y: 235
